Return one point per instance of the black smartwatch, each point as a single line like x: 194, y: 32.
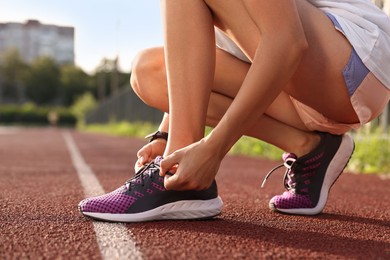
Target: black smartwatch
x: 157, y: 135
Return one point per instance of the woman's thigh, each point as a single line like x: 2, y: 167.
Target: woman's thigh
x: 149, y: 77
x: 319, y: 81
x: 230, y: 73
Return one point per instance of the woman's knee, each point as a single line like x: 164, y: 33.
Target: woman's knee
x: 148, y: 73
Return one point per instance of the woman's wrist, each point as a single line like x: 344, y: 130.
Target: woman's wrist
x: 219, y: 145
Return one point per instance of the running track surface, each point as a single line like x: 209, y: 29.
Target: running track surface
x: 40, y: 188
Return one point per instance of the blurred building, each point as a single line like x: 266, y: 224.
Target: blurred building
x: 34, y: 39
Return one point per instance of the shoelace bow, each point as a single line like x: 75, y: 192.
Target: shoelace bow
x: 291, y: 183
x: 139, y: 175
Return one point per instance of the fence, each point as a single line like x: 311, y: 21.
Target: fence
x: 125, y: 105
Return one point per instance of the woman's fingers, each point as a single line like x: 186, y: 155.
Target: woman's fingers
x: 144, y: 156
x: 169, y: 164
x: 148, y: 152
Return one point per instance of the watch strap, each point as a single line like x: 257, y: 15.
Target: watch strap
x: 157, y: 135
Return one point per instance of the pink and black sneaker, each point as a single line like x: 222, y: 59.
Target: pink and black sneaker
x: 144, y: 198
x: 308, y: 179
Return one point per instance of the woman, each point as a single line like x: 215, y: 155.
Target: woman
x: 296, y: 74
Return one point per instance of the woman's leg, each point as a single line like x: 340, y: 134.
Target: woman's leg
x: 318, y: 83
x: 190, y: 70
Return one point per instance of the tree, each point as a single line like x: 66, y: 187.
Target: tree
x: 74, y: 82
x: 12, y: 72
x: 43, y: 81
x: 82, y: 106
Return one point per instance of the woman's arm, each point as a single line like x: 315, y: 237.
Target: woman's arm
x: 281, y: 47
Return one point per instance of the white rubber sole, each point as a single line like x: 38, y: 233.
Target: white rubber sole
x: 336, y: 167
x: 184, y: 209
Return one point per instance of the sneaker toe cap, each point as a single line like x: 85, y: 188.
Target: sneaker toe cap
x: 290, y: 201
x: 115, y: 203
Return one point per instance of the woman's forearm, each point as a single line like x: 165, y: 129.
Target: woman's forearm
x: 273, y: 65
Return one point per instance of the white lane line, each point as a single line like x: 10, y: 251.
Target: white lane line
x: 8, y: 130
x: 114, y: 239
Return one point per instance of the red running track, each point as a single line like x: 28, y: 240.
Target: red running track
x: 39, y: 191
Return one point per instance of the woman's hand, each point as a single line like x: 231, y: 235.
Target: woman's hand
x: 194, y: 167
x: 150, y: 151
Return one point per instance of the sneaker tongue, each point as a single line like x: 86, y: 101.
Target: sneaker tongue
x: 157, y: 160
x: 288, y: 156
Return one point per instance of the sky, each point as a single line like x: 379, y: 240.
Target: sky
x: 103, y: 28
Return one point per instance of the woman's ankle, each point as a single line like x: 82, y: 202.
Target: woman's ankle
x: 307, y: 144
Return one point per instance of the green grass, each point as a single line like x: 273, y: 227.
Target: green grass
x: 137, y: 129
x: 372, y: 153
x: 372, y: 148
